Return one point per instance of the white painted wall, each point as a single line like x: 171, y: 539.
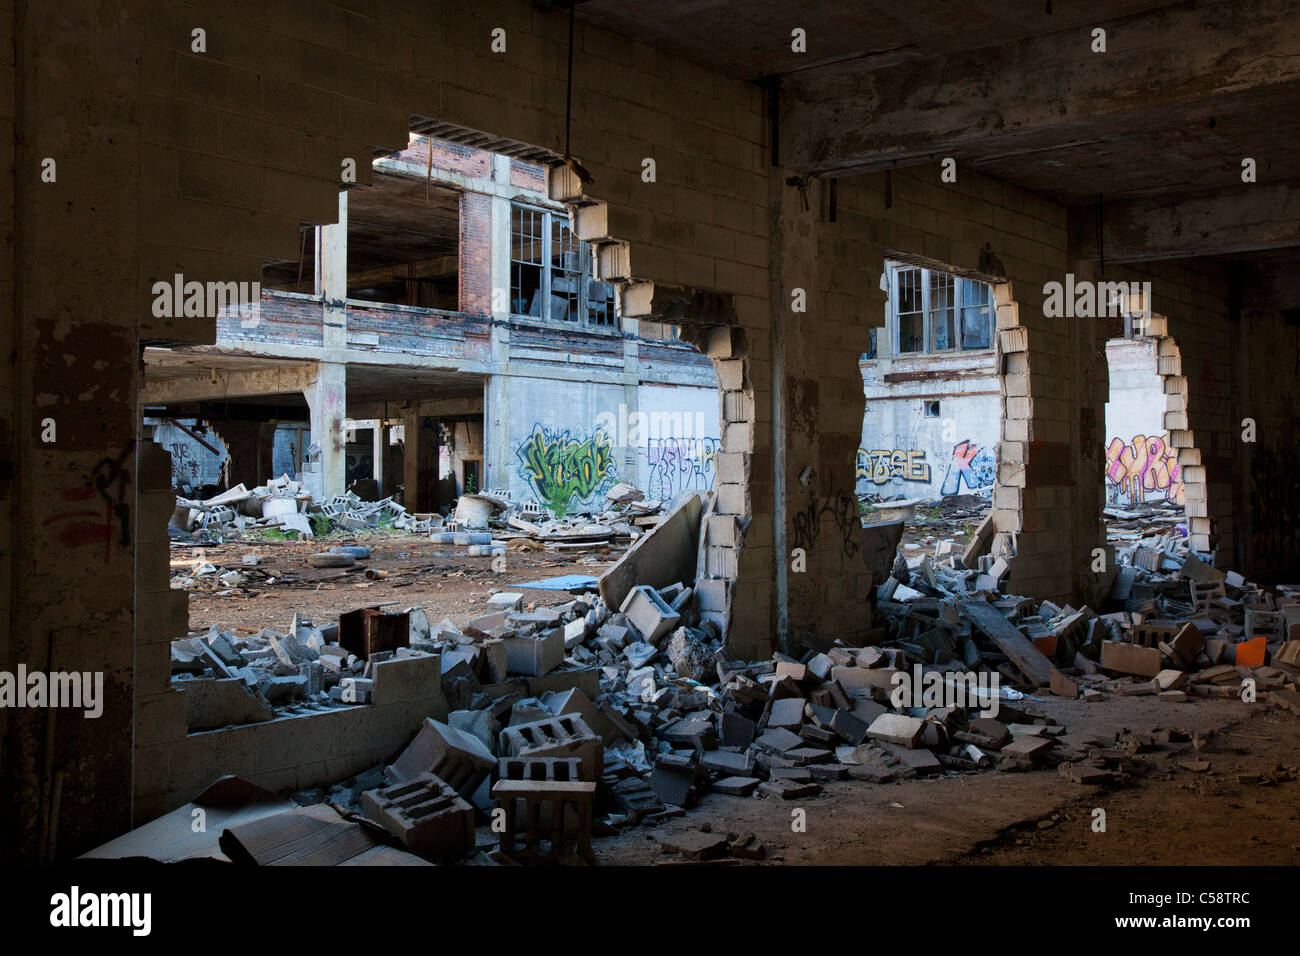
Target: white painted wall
x: 683, y: 437
x: 1140, y: 464
x: 569, y: 442
x: 904, y: 453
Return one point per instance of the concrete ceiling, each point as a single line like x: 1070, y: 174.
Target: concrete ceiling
x: 752, y: 39
x: 1156, y: 124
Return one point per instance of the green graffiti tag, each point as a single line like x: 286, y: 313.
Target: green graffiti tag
x: 561, y: 467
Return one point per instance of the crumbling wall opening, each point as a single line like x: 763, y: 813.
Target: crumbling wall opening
x: 929, y: 429
x: 946, y: 406
x: 1166, y: 466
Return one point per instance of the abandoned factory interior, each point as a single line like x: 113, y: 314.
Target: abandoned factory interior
x: 597, y: 433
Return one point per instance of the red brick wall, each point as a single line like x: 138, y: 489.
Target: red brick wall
x: 476, y: 254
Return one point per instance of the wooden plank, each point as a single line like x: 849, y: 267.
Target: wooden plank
x: 1020, y: 649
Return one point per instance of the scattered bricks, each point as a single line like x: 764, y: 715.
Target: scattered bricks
x: 567, y: 805
x: 849, y: 726
x: 1172, y: 696
x: 649, y: 613
x: 796, y: 774
x: 1219, y: 674
x: 897, y: 729
x: 1286, y: 699
x: 795, y: 671
x: 1288, y: 654
x: 921, y: 762
x: 694, y: 732
x: 1130, y: 659
x: 736, y: 786
x: 805, y: 756
x: 1150, y: 634
x: 732, y: 764
x: 635, y: 798
x: 1185, y: 647
x: 506, y: 601
x: 1138, y: 689
x: 819, y: 665
x: 425, y: 814
x: 534, y: 656
x: 735, y: 730
x: 829, y: 771
x: 1269, y: 625
x: 778, y: 740
x: 564, y: 736
x: 459, y: 759
x: 1084, y: 774
x: 1205, y: 593
x: 672, y: 779
x: 1062, y: 686
x: 696, y: 844
x: 1028, y: 748
x: 1171, y: 679
x: 790, y: 789
x: 786, y: 713
x: 561, y: 769
x: 746, y: 847
x: 859, y: 681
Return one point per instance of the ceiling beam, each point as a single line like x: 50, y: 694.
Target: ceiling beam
x: 1163, y: 70
x: 1253, y: 217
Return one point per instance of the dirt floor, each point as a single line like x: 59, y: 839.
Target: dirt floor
x: 440, y: 578
x: 1171, y: 816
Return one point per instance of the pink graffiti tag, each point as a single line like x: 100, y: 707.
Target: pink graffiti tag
x: 1147, y: 464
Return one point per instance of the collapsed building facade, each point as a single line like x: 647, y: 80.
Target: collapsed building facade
x: 752, y: 202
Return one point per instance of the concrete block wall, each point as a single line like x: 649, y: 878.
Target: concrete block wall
x: 1267, y: 389
x: 1051, y: 437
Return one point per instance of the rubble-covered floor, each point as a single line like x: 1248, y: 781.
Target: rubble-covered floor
x: 1240, y: 810
x: 443, y: 579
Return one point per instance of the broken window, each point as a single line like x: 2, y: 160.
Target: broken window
x: 551, y: 272
x: 908, y: 300
x: 526, y: 260
x: 976, y: 314
x: 934, y: 311
x: 941, y: 311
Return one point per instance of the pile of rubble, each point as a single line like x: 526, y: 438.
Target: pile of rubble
x: 284, y: 505
x: 620, y: 705
x: 490, y: 523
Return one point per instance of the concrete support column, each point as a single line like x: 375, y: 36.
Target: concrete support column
x: 327, y: 399
x: 377, y: 468
x: 497, y: 465
x: 420, y: 462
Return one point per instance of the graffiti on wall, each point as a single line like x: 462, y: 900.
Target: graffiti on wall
x: 1144, y: 465
x: 971, y: 464
x: 674, y: 465
x: 900, y: 464
x: 561, y: 467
